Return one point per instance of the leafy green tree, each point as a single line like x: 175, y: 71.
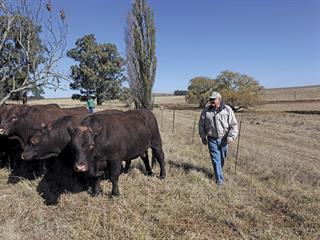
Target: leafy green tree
x: 126, y: 97
x: 140, y: 40
x: 199, y: 90
x: 239, y: 90
x: 16, y: 60
x: 32, y: 42
x: 100, y: 69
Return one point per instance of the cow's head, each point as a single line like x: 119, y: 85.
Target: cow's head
x: 45, y: 143
x: 83, y: 142
x: 10, y: 118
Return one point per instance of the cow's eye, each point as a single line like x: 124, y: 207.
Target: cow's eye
x: 35, y: 141
x: 91, y: 146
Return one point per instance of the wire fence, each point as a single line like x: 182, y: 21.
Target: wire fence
x: 185, y: 123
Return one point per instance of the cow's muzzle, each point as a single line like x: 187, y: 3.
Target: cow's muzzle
x: 2, y: 131
x: 81, y: 167
x: 25, y: 157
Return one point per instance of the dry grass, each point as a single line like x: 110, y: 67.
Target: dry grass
x: 293, y: 93
x: 169, y: 99
x: 274, y: 195
x: 291, y: 106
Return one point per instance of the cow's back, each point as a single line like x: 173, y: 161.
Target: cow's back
x: 128, y: 134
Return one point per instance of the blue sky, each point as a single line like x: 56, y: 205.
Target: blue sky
x: 276, y: 42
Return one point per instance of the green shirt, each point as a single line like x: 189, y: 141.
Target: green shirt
x: 90, y: 103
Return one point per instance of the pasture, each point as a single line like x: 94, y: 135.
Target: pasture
x: 303, y: 93
x: 274, y: 194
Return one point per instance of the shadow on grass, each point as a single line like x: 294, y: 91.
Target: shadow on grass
x: 10, y: 151
x: 60, y: 178
x: 187, y: 167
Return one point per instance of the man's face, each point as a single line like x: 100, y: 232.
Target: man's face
x: 215, y: 102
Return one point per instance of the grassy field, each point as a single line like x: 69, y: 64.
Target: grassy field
x: 293, y: 93
x: 275, y: 193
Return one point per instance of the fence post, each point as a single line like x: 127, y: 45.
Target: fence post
x: 161, y: 117
x: 194, y: 127
x: 174, y: 117
x: 235, y: 164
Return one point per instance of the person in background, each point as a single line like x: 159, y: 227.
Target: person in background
x: 90, y: 104
x: 218, y: 127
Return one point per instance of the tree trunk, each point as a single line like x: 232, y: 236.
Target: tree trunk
x: 137, y: 104
x: 99, y: 101
x: 147, y: 105
x: 24, y: 98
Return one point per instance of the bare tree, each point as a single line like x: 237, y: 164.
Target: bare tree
x: 32, y: 41
x: 140, y: 41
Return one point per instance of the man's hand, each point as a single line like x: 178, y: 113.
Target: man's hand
x: 204, y: 141
x: 229, y: 140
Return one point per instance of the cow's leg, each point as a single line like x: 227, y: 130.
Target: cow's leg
x: 145, y: 159
x: 127, y: 166
x: 159, y: 155
x: 115, y: 169
x: 95, y: 187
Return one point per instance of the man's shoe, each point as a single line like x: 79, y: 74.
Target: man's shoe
x: 220, y: 183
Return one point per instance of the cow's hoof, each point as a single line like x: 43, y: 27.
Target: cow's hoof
x: 125, y: 170
x: 13, y: 180
x: 111, y: 196
x: 150, y: 173
x: 115, y: 194
x: 95, y: 193
x: 162, y: 177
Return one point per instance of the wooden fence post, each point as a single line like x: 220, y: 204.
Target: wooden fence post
x: 194, y: 127
x: 161, y: 124
x: 174, y: 118
x: 235, y: 164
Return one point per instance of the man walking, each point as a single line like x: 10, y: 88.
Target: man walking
x: 218, y: 127
x: 90, y: 104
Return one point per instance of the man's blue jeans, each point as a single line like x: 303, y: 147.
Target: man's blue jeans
x: 90, y: 109
x: 218, y: 149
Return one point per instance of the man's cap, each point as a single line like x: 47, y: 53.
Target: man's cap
x: 214, y: 95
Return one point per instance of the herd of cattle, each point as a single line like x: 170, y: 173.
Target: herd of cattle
x: 91, y: 147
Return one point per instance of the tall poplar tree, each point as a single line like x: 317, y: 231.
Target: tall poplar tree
x: 141, y: 53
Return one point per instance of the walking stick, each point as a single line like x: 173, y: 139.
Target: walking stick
x: 235, y: 165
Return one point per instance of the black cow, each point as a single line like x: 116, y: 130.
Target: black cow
x: 55, y: 137
x: 20, y: 122
x: 9, y: 147
x: 102, y: 141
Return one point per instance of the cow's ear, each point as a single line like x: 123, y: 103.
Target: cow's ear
x: 96, y: 130
x: 49, y: 126
x: 95, y: 127
x: 71, y: 128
